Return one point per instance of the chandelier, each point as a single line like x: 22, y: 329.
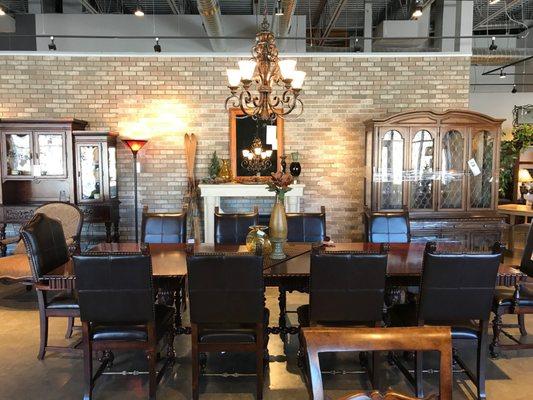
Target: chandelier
x: 256, y: 159
x: 259, y: 74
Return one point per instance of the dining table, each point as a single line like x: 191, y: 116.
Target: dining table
x: 169, y: 268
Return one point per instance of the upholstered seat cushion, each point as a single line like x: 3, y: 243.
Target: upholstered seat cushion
x: 63, y: 300
x: 405, y: 315
x: 164, y: 317
x: 15, y: 267
x: 237, y: 334
x: 503, y: 297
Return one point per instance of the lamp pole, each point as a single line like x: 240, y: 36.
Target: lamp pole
x: 135, y: 145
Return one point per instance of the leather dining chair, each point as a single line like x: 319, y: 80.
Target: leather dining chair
x: 306, y: 227
x: 387, y: 227
x: 117, y: 311
x: 163, y: 227
x: 233, y: 228
x: 456, y: 289
x: 47, y: 249
x: 345, y: 289
x: 517, y: 301
x: 227, y: 309
x: 319, y: 340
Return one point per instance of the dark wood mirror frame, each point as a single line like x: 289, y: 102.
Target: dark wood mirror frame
x: 234, y: 113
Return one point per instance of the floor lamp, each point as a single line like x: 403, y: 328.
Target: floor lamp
x: 135, y: 145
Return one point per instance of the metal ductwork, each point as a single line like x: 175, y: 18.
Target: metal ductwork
x: 281, y: 24
x: 211, y: 18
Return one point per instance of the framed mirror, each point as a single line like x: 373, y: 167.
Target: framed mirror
x: 243, y: 130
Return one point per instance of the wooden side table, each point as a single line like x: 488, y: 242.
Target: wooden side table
x: 514, y: 210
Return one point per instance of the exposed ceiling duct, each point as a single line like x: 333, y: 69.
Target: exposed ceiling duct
x: 211, y: 18
x: 281, y: 24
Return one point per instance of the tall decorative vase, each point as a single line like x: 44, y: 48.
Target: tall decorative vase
x: 278, y: 228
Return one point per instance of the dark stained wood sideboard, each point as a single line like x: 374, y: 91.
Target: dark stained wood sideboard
x: 57, y: 160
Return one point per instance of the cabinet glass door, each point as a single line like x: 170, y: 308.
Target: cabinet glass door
x: 89, y: 172
x: 112, y: 154
x: 452, y: 173
x: 391, y: 168
x: 480, y: 169
x: 50, y: 155
x: 18, y: 154
x: 421, y: 174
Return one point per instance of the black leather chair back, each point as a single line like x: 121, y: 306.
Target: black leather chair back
x: 306, y: 227
x: 387, y: 227
x: 347, y: 286
x: 225, y: 288
x: 526, y: 264
x: 457, y: 287
x: 114, y: 288
x: 45, y: 244
x: 164, y: 227
x: 233, y: 228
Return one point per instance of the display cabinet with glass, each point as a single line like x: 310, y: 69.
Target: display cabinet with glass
x: 443, y: 167
x: 57, y: 160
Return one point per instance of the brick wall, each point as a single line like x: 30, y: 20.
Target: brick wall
x: 168, y: 96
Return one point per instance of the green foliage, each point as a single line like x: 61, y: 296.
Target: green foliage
x: 509, y: 154
x: 214, y: 166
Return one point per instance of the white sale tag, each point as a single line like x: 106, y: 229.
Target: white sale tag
x: 271, y: 136
x: 472, y: 164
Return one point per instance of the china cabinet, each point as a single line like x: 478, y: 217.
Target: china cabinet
x: 57, y: 160
x: 443, y: 167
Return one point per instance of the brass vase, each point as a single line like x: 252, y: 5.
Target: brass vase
x: 278, y: 229
x: 257, y: 240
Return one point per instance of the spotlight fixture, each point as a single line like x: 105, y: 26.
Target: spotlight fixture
x: 2, y: 12
x: 279, y: 9
x: 513, y: 91
x: 138, y: 10
x: 492, y: 2
x: 157, y: 46
x: 503, y: 75
x: 357, y: 48
x: 52, y: 45
x: 493, y: 46
x: 417, y: 13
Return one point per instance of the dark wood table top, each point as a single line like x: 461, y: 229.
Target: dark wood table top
x: 169, y: 260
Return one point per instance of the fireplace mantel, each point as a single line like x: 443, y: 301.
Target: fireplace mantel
x: 213, y: 193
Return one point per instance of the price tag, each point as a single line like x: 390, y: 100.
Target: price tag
x: 472, y: 164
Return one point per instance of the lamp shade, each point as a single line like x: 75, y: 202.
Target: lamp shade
x: 234, y: 77
x: 287, y: 68
x: 135, y: 144
x: 298, y: 79
x: 247, y: 68
x: 524, y: 175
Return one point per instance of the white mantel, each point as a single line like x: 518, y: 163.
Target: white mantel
x: 213, y: 193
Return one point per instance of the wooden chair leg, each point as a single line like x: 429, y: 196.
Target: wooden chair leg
x: 87, y: 363
x: 195, y: 362
x: 419, y: 384
x: 259, y: 355
x: 482, y: 360
x: 43, y: 322
x: 70, y: 327
x: 522, y: 325
x: 152, y: 373
x: 496, y: 331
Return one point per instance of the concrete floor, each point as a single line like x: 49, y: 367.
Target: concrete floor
x: 59, y: 376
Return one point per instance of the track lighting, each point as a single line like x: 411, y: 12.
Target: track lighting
x: 157, y: 46
x: 417, y: 13
x: 493, y: 46
x: 503, y: 75
x: 2, y: 12
x: 492, y: 2
x: 279, y: 9
x: 514, y: 89
x: 52, y: 45
x: 138, y: 10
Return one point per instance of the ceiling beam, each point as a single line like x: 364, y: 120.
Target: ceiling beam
x: 318, y: 13
x: 173, y: 7
x: 89, y: 7
x: 332, y: 20
x: 497, y: 13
